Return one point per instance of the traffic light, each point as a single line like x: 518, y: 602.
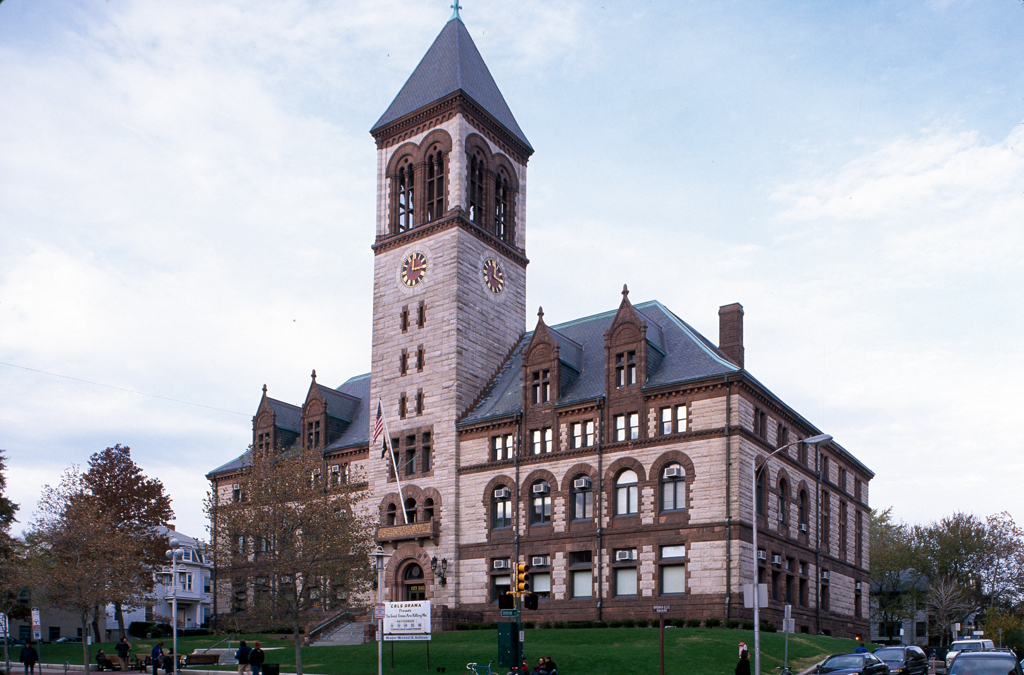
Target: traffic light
x: 522, y: 578
x: 530, y: 601
x: 506, y: 601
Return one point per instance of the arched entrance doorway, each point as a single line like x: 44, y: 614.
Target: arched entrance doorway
x: 414, y: 587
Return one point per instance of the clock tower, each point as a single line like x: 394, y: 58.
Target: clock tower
x: 449, y: 291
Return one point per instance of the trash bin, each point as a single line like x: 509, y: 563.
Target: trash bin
x: 271, y: 669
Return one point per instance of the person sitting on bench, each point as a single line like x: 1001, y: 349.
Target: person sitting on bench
x: 103, y: 662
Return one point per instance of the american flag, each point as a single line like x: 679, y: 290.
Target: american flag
x: 378, y: 427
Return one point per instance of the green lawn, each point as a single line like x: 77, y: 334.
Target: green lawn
x: 591, y: 651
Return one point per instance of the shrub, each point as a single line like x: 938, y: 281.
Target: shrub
x: 529, y: 624
x: 678, y: 623
x: 559, y: 624
x: 747, y: 625
x: 713, y: 622
x: 768, y: 627
x: 547, y: 624
x: 734, y: 623
x: 693, y: 623
x: 628, y: 623
x: 600, y: 624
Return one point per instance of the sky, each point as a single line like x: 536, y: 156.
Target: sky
x: 187, y: 207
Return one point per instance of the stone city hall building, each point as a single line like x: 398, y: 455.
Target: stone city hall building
x: 613, y: 453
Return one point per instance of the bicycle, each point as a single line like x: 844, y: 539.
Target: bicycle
x: 473, y: 668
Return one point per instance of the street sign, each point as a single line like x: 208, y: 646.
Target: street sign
x: 662, y: 609
x: 35, y: 617
x: 37, y: 633
x: 3, y: 623
x: 748, y: 595
x: 789, y: 625
x: 378, y: 610
x: 522, y: 636
x: 510, y: 612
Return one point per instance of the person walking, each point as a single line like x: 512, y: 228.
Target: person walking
x: 122, y: 648
x: 242, y: 656
x: 861, y: 650
x: 157, y: 656
x: 29, y: 656
x: 743, y: 667
x: 256, y: 658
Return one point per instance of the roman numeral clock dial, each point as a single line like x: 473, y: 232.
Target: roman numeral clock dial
x: 494, y: 276
x: 413, y: 269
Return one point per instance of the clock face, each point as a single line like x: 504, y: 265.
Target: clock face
x: 413, y: 269
x: 494, y: 276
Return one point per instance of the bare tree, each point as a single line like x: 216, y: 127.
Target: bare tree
x: 947, y: 604
x: 135, y: 504
x: 293, y: 546
x: 79, y: 562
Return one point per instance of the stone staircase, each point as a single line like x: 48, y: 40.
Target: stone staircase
x: 343, y: 634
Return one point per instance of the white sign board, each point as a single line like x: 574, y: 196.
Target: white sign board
x: 407, y: 620
x: 35, y: 617
x: 378, y: 610
x: 748, y: 595
x: 3, y: 623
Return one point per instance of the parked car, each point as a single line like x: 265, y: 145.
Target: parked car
x: 905, y: 660
x: 848, y: 664
x: 973, y: 645
x: 985, y: 663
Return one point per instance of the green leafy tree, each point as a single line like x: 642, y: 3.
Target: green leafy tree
x: 896, y: 586
x: 77, y: 561
x: 294, y: 546
x: 12, y: 567
x: 134, y: 504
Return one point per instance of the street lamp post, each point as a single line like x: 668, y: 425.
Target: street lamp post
x: 379, y: 555
x: 174, y: 554
x: 754, y: 587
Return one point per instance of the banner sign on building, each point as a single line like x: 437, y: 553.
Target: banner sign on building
x: 407, y: 620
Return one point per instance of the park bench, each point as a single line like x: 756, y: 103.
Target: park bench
x: 202, y: 660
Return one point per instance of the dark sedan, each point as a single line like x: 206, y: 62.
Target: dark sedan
x: 904, y: 660
x: 848, y: 664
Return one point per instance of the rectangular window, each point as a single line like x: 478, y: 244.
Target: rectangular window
x: 425, y: 453
x: 582, y: 584
x: 802, y: 599
x: 620, y: 427
x: 842, y: 529
x: 625, y: 581
x: 421, y: 315
x: 673, y: 551
x: 54, y: 634
x: 541, y: 440
x: 581, y: 434
x: 824, y: 598
x: 824, y: 469
x: 680, y: 419
x: 781, y: 436
x: 582, y: 504
x: 673, y: 579
x: 403, y: 362
x: 401, y: 406
x: 185, y: 580
x: 403, y: 319
x: 859, y: 543
x: 541, y: 386
x: 581, y: 557
x: 842, y: 478
x: 313, y: 434
x: 826, y: 522
x: 633, y: 422
x: 500, y: 584
x: 419, y: 401
x: 667, y: 427
x: 789, y: 590
x: 410, y: 460
x: 419, y: 358
x: 501, y: 447
x: 625, y: 369
x: 540, y: 582
x: 801, y: 451
x: 857, y: 612
x: 775, y: 586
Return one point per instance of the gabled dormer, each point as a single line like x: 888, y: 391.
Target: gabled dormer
x: 540, y: 368
x: 276, y: 424
x: 326, y: 415
x: 626, y: 355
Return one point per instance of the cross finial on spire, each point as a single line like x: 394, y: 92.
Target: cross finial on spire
x: 540, y: 313
x: 264, y: 389
x: 455, y: 14
x: 314, y: 375
x: 625, y: 291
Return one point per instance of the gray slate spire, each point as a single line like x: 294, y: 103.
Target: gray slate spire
x: 452, y: 63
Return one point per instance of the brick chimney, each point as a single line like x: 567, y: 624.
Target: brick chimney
x: 730, y: 332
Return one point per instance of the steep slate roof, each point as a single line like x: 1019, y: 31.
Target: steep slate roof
x: 340, y: 404
x: 286, y: 415
x: 357, y: 432
x: 687, y: 356
x: 451, y: 64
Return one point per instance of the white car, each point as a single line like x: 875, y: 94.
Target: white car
x: 973, y: 645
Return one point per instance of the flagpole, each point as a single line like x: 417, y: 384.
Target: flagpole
x: 394, y: 462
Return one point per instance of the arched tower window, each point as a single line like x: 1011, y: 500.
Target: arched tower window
x: 410, y: 510
x: 540, y: 505
x: 783, y: 507
x: 476, y: 190
x: 405, y: 197
x: 759, y: 496
x: 502, y: 221
x: 435, y: 185
x: 428, y: 509
x: 392, y: 515
x: 626, y: 493
x: 501, y: 507
x: 582, y: 498
x: 801, y: 514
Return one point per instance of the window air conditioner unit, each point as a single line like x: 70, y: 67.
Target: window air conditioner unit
x: 502, y: 493
x: 674, y: 472
x: 581, y: 483
x: 236, y: 486
x: 541, y: 488
x: 856, y: 586
x: 761, y: 555
x: 824, y: 575
x: 625, y: 555
x: 501, y: 565
x: 539, y: 561
x: 316, y: 472
x: 776, y: 559
x: 336, y: 468
x: 803, y: 527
